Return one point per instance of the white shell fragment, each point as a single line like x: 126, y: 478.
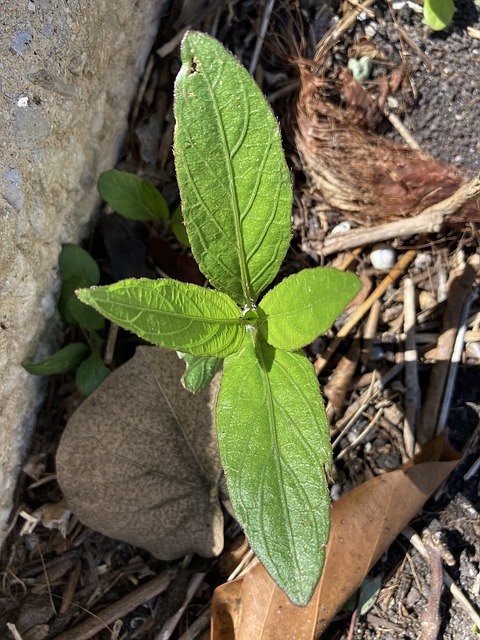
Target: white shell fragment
x: 383, y: 257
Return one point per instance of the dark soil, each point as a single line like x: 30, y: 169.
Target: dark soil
x: 440, y: 105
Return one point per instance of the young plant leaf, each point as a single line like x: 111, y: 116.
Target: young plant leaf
x: 75, y: 262
x: 438, y: 14
x: 91, y: 373
x: 274, y: 446
x: 199, y: 372
x: 173, y: 314
x: 178, y: 227
x: 231, y: 171
x: 75, y: 312
x: 132, y: 197
x: 62, y: 361
x: 304, y: 305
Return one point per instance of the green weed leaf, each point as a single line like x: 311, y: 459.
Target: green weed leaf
x: 91, y: 373
x: 173, y: 314
x: 199, y: 372
x: 132, y: 197
x: 304, y: 305
x: 274, y: 446
x: 438, y: 14
x: 60, y: 362
x: 75, y: 262
x: 75, y: 312
x: 232, y: 174
x: 178, y: 227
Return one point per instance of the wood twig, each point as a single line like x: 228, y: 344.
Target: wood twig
x: 430, y: 618
x: 466, y: 605
x: 459, y: 291
x: 454, y: 362
x: 370, y: 331
x: 14, y: 631
x: 261, y: 36
x: 430, y: 220
x: 170, y: 625
x: 101, y: 620
x: 412, y: 386
x: 358, y: 313
x: 335, y: 33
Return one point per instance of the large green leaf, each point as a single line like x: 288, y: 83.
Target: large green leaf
x: 231, y: 170
x: 173, y: 314
x: 274, y: 446
x: 304, y: 305
x: 438, y: 14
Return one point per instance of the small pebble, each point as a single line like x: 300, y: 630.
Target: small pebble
x: 382, y: 257
x: 342, y: 227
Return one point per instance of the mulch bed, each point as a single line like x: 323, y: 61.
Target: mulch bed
x: 352, y: 166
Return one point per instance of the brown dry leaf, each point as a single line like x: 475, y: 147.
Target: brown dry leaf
x: 138, y: 460
x: 364, y: 524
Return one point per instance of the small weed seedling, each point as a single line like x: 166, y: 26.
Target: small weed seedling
x: 137, y: 199
x: 236, y: 198
x: 77, y: 269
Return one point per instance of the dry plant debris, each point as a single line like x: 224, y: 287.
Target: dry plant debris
x: 138, y: 460
x: 62, y: 580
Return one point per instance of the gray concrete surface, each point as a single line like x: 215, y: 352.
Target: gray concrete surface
x: 68, y: 72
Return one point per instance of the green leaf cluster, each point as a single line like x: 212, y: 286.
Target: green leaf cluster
x: 236, y: 198
x: 77, y: 269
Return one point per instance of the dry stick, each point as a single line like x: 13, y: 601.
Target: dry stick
x: 261, y: 36
x: 412, y: 386
x: 337, y: 387
x: 415, y: 541
x: 100, y: 621
x: 370, y: 331
x: 430, y: 618
x: 404, y: 132
x: 428, y: 221
x: 459, y: 291
x: 335, y: 33
x: 70, y: 588
x: 16, y: 634
x: 171, y: 624
x: 358, y: 314
x: 195, y: 629
x: 356, y: 410
x: 361, y: 436
x: 452, y: 372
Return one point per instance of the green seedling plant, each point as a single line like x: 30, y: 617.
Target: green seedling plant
x: 77, y: 269
x: 236, y: 197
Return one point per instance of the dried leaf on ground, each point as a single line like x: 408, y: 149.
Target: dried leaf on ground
x: 138, y: 460
x: 364, y: 523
